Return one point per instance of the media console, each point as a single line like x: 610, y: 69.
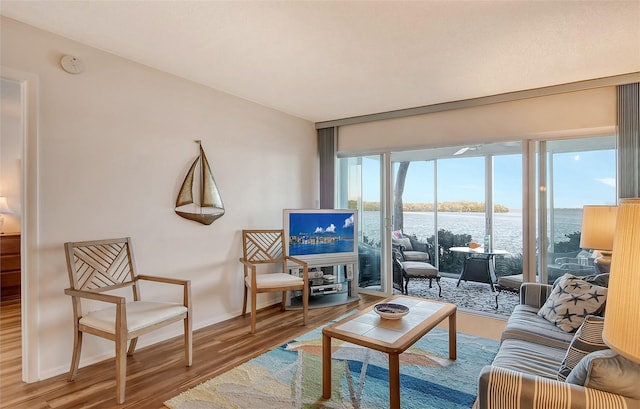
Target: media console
x: 331, y: 282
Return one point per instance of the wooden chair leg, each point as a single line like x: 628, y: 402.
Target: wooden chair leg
x: 121, y: 367
x: 132, y: 346
x: 283, y: 304
x: 188, y: 341
x: 244, y: 302
x: 305, y: 304
x: 253, y: 311
x: 75, y: 360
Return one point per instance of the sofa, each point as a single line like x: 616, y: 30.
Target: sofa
x: 534, y: 356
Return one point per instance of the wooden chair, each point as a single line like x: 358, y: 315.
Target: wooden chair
x: 268, y: 247
x: 98, y: 267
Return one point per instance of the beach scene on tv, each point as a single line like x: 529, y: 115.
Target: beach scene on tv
x: 321, y: 233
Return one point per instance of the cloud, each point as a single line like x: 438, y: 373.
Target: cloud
x: 319, y: 230
x: 331, y: 228
x: 607, y: 181
x: 348, y: 222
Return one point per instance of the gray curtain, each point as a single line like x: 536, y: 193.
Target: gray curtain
x: 327, y: 158
x: 629, y: 140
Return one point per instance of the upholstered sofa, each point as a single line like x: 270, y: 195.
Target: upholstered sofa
x: 533, y: 351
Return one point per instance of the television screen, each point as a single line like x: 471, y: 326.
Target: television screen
x: 321, y: 233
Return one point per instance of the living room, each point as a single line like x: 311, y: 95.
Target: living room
x: 106, y: 151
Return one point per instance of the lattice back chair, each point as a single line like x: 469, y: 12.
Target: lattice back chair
x: 98, y: 267
x: 268, y: 247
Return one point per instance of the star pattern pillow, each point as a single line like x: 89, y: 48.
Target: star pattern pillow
x: 571, y: 300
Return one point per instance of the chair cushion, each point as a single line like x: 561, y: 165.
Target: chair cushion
x: 419, y: 269
x: 571, y: 301
x: 416, y: 256
x: 275, y: 280
x: 512, y: 282
x: 140, y: 314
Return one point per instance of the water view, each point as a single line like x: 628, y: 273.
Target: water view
x: 507, y: 226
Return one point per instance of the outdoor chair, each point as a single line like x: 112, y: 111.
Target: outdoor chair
x: 411, y: 248
x: 97, y: 268
x: 267, y: 247
x: 508, y: 284
x: 413, y: 270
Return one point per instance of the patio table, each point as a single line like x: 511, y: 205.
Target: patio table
x: 479, y: 265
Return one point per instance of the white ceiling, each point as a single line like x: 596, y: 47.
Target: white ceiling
x: 325, y: 60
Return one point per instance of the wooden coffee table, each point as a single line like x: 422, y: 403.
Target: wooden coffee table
x: 393, y: 337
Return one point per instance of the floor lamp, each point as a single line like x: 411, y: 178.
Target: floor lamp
x: 598, y: 226
x: 622, y: 319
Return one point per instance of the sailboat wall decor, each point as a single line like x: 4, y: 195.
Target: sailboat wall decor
x: 210, y: 207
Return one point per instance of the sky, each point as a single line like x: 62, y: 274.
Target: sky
x: 579, y: 178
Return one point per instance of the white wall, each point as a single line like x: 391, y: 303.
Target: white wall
x: 114, y: 144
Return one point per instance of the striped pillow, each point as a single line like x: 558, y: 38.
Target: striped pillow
x: 587, y: 339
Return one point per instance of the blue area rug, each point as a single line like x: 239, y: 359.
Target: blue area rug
x: 290, y: 376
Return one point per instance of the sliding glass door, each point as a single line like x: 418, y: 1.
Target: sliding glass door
x: 452, y: 196
x: 576, y: 172
x: 360, y: 187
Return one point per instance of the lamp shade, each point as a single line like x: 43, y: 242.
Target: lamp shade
x: 622, y: 319
x: 4, y: 207
x: 598, y: 225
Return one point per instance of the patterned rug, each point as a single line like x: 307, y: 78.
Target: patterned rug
x: 290, y: 376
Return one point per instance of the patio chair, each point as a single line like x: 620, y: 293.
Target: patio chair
x: 412, y: 249
x: 102, y: 266
x: 414, y: 270
x: 267, y: 247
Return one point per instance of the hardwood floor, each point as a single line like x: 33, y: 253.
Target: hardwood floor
x: 157, y: 373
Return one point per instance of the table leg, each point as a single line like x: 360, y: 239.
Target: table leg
x: 326, y: 366
x: 394, y: 381
x: 453, y: 347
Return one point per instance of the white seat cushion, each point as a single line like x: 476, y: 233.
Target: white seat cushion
x: 140, y: 314
x: 419, y: 269
x: 274, y: 280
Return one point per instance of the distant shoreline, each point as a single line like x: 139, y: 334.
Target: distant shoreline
x: 460, y: 207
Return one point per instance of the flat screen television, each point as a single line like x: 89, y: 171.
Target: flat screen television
x: 322, y: 235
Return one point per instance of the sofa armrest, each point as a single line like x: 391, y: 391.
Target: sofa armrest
x: 500, y: 388
x: 534, y: 294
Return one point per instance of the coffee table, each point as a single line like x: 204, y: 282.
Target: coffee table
x: 392, y: 337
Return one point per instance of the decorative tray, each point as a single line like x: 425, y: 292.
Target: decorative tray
x: 391, y: 311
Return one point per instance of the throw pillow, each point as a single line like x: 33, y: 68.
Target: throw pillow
x: 588, y: 338
x: 405, y: 243
x: 571, y: 301
x: 396, y: 234
x: 608, y: 371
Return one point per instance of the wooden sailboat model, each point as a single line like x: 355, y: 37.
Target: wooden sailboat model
x: 210, y: 205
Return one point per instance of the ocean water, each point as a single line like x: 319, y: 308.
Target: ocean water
x: 507, y: 227
x: 340, y: 246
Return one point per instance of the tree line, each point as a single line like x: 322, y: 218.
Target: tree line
x: 460, y: 206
